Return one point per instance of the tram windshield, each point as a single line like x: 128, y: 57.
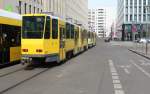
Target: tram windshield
x: 33, y: 27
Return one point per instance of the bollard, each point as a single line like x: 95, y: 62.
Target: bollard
x: 146, y: 48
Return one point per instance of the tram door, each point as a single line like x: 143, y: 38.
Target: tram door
x: 0, y: 44
x: 62, y: 43
x: 6, y: 33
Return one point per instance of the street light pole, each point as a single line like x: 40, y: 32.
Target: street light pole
x: 147, y: 21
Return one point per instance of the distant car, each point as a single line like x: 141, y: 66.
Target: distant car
x: 148, y: 40
x: 143, y: 40
x: 107, y: 39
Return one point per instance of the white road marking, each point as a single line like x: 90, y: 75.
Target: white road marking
x: 119, y: 92
x: 59, y: 76
x: 116, y: 81
x: 117, y: 86
x: 122, y: 66
x: 126, y: 71
x: 113, y: 70
x: 115, y: 78
x: 128, y: 66
x: 110, y: 62
x: 140, y: 68
x: 144, y: 63
x: 125, y: 66
x: 114, y: 74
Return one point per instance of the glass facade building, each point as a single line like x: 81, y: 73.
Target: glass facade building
x: 132, y: 13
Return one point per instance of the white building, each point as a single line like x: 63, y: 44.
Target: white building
x: 75, y: 11
x: 132, y: 13
x: 97, y: 21
x: 22, y: 6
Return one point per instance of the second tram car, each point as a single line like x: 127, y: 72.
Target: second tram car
x: 10, y: 39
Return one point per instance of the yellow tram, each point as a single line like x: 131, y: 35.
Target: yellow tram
x: 46, y: 38
x: 10, y: 39
x: 91, y: 39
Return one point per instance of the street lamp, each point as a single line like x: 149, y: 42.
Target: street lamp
x: 147, y: 20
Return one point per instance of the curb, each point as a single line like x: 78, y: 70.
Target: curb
x: 139, y: 54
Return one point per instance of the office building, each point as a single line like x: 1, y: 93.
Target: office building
x: 22, y: 6
x: 132, y: 18
x: 75, y: 11
x: 97, y: 21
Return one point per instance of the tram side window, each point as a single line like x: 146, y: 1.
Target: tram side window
x: 11, y: 35
x: 47, y: 28
x: 72, y: 31
x: 54, y: 28
x: 68, y: 29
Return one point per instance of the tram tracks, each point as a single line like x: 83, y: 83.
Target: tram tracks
x: 3, y: 75
x: 11, y: 80
x: 10, y: 70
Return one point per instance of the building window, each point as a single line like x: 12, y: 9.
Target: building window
x: 135, y: 2
x: 126, y: 10
x: 144, y: 2
x: 130, y: 17
x: 126, y: 17
x: 144, y: 10
x: 131, y: 10
x: 29, y: 8
x: 34, y: 9
x: 148, y: 2
x: 144, y: 17
x: 148, y: 17
x: 140, y: 2
x: 131, y: 2
x: 25, y: 8
x: 135, y: 18
x: 127, y: 2
x: 135, y: 10
x: 41, y: 2
x: 140, y: 9
x: 140, y: 18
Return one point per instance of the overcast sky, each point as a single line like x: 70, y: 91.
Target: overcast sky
x: 102, y: 3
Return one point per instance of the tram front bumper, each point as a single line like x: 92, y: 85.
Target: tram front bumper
x: 26, y: 60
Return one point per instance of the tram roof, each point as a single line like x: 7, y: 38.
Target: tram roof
x: 7, y: 14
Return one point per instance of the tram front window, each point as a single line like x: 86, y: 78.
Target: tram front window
x: 33, y: 27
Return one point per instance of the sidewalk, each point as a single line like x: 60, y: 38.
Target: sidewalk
x: 138, y: 48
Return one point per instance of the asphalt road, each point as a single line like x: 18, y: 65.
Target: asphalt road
x: 104, y: 69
